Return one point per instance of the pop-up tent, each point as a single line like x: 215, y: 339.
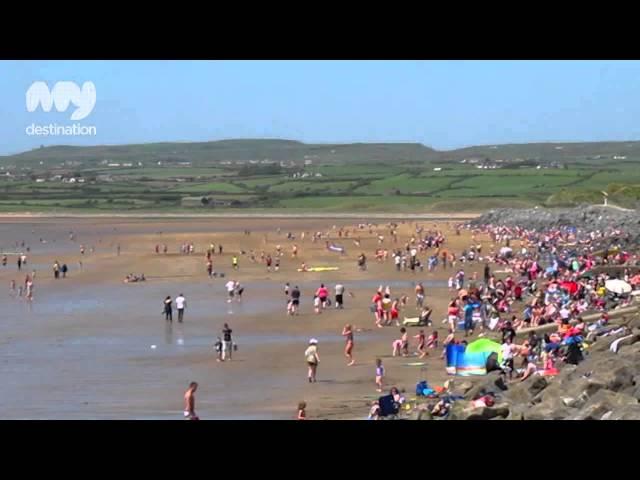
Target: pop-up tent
x: 474, y: 359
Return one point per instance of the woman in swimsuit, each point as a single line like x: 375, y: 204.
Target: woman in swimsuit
x: 347, y: 332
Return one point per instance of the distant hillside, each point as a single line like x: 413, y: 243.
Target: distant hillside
x: 205, y: 153
x: 208, y: 153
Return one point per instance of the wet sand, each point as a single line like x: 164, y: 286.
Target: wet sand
x: 82, y: 348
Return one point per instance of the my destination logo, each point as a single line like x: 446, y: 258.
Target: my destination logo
x: 62, y: 95
x: 53, y: 129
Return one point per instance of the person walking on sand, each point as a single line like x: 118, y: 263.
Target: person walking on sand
x: 239, y: 289
x: 64, y: 269
x: 19, y: 263
x: 227, y: 343
x: 234, y: 262
x: 347, y: 332
x: 419, y: 295
x: 168, y: 309
x: 339, y: 288
x: 190, y: 402
x: 231, y: 288
x: 379, y: 374
x: 322, y: 294
x: 209, y: 268
x: 181, y: 303
x: 311, y: 355
x: 294, y: 303
x: 56, y: 270
x: 421, y: 344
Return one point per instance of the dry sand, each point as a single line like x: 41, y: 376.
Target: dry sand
x: 82, y: 348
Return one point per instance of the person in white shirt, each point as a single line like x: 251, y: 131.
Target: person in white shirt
x: 507, y: 357
x: 181, y: 303
x: 231, y: 286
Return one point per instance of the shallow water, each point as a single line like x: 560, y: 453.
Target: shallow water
x: 86, y: 352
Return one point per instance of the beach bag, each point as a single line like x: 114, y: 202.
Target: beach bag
x: 421, y: 387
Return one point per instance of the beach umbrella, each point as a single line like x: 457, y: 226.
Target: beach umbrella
x: 618, y: 287
x: 571, y: 287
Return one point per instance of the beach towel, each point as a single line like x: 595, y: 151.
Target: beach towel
x: 335, y: 248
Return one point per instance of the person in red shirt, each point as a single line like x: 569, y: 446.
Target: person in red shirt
x: 377, y: 308
x: 322, y: 294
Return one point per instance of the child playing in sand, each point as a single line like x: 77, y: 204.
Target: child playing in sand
x: 421, y: 343
x: 302, y: 411
x: 401, y: 345
x: 379, y: 374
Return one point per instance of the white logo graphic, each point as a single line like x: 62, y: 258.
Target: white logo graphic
x: 61, y: 95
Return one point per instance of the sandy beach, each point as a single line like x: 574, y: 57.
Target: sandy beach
x: 82, y: 348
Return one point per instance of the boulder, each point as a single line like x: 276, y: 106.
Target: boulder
x: 421, y: 414
x: 552, y: 409
x: 460, y: 387
x: 630, y: 352
x: 517, y: 411
x: 581, y: 391
x: 616, y: 376
x: 464, y: 410
x: 602, y: 402
x: 491, y: 383
x: 602, y: 344
x: 523, y: 392
x: 629, y: 412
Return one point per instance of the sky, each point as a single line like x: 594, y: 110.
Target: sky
x: 442, y: 104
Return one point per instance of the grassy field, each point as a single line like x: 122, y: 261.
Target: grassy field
x: 247, y: 174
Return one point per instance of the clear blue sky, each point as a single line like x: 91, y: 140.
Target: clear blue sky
x: 444, y: 104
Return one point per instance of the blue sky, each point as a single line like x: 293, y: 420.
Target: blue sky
x: 444, y: 104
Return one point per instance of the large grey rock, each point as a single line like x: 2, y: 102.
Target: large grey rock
x: 631, y: 352
x: 628, y: 412
x: 461, y: 387
x: 464, y: 410
x: 524, y: 392
x: 602, y: 402
x: 616, y: 373
x: 491, y: 383
x: 552, y: 409
x: 422, y: 414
